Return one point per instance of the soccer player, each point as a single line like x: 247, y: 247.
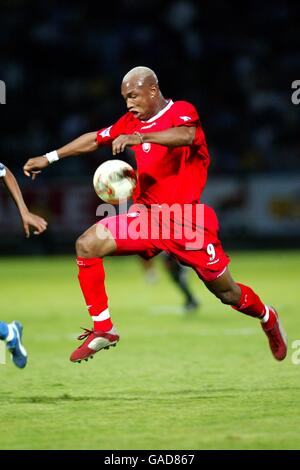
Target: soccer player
x: 11, y: 333
x: 172, y: 161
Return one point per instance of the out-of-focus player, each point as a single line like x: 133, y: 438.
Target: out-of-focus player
x: 179, y: 276
x: 11, y: 333
x: 172, y: 162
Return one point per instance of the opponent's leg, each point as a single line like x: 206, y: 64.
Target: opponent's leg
x: 244, y: 299
x: 178, y: 274
x: 150, y: 271
x: 11, y: 333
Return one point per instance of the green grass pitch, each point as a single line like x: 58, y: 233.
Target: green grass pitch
x: 202, y: 380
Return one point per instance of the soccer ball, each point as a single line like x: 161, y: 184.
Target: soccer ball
x: 114, y: 181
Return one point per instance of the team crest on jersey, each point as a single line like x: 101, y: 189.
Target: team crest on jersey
x: 146, y: 147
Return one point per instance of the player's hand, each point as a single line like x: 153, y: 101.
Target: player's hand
x: 33, y: 166
x: 35, y: 221
x: 124, y: 140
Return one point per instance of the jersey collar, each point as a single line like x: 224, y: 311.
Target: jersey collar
x: 161, y: 112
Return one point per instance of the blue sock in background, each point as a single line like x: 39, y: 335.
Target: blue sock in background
x: 3, y: 330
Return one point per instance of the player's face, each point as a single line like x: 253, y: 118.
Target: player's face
x: 141, y: 99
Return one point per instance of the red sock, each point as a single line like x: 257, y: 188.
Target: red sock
x: 91, y: 278
x: 250, y: 304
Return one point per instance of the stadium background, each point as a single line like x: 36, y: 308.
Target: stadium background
x: 175, y: 381
x: 62, y: 63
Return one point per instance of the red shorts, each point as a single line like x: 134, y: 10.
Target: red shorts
x: 189, y: 235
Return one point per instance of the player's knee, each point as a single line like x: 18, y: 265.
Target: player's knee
x: 82, y: 247
x: 227, y: 297
x: 94, y: 245
x: 85, y: 247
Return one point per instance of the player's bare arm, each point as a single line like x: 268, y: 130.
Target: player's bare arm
x: 84, y: 144
x: 174, y: 137
x: 28, y: 219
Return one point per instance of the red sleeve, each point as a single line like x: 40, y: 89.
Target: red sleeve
x: 185, y: 114
x: 106, y: 135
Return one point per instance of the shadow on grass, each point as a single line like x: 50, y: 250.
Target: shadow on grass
x: 47, y: 400
x: 170, y: 397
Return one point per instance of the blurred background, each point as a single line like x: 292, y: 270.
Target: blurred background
x: 63, y: 62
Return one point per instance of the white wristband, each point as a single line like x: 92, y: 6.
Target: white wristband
x: 52, y: 156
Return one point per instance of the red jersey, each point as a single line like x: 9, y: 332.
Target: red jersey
x: 165, y: 174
